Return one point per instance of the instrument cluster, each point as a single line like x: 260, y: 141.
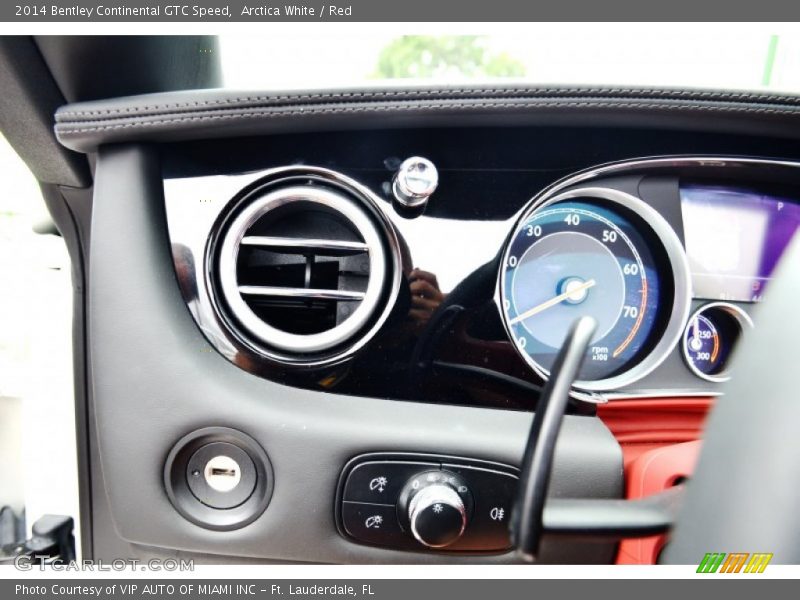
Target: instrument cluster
x: 606, y: 253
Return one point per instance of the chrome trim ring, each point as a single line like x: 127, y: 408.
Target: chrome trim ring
x: 252, y: 323
x: 742, y: 319
x: 198, y: 207
x: 679, y: 266
x: 635, y: 165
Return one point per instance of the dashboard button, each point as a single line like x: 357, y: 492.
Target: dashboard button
x: 494, y: 493
x: 414, y: 182
x: 381, y: 482
x: 437, y: 516
x: 374, y: 524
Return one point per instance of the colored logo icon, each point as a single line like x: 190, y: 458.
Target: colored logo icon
x: 737, y: 562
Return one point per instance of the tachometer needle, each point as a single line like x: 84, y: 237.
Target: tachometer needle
x: 552, y: 302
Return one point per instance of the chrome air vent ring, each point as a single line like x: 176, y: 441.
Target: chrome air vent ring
x: 303, y: 267
x: 234, y: 293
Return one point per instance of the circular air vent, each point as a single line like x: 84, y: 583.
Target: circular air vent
x: 306, y: 266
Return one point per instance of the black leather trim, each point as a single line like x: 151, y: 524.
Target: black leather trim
x: 219, y: 113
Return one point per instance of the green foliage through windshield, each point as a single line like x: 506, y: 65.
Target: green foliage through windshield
x: 424, y: 56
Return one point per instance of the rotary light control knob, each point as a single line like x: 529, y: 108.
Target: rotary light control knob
x: 437, y: 515
x: 437, y: 507
x: 414, y: 182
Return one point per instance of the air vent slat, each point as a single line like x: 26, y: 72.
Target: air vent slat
x: 306, y: 246
x: 309, y: 293
x: 306, y: 267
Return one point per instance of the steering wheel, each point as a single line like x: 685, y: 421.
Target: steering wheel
x: 745, y: 492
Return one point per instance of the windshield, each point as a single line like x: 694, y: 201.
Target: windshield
x: 763, y: 57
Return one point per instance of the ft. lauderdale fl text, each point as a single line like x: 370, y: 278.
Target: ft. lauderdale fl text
x: 321, y: 590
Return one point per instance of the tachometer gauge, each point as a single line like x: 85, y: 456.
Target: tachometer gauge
x: 603, y: 253
x: 709, y: 338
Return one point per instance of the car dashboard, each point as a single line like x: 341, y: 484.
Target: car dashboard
x: 339, y: 310
x: 473, y: 292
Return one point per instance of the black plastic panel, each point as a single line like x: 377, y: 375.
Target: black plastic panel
x: 370, y: 489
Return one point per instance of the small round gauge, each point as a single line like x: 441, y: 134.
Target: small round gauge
x: 710, y: 336
x: 603, y: 253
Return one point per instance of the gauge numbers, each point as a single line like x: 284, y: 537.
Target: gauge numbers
x: 573, y: 259
x: 709, y: 339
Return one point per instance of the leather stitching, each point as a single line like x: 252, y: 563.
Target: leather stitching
x: 443, y: 94
x: 67, y: 129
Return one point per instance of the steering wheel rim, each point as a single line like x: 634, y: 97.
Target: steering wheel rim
x: 745, y: 492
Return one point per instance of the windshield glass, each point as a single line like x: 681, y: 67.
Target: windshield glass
x: 724, y: 56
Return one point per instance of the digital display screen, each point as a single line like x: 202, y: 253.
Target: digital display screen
x: 734, y: 239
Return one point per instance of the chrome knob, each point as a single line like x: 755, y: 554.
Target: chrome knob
x: 414, y: 182
x: 437, y: 516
